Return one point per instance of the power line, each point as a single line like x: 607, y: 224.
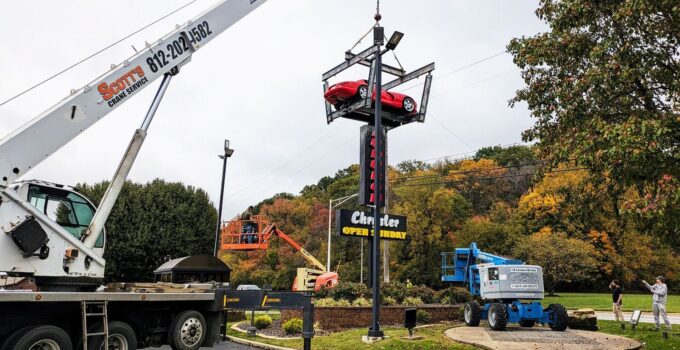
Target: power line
x: 460, y: 69
x: 94, y: 54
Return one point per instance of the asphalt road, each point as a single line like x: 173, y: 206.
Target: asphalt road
x: 222, y: 346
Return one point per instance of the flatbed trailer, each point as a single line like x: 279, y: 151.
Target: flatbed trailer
x: 155, y: 318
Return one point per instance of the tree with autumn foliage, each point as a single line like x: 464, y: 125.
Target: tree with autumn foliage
x: 604, y: 87
x: 563, y: 259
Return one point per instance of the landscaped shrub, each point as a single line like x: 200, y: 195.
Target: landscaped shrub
x: 262, y: 321
x: 322, y: 293
x: 388, y: 301
x: 342, y: 302
x: 454, y: 295
x: 412, y: 301
x: 330, y: 302
x: 394, y: 290
x: 325, y: 302
x: 425, y: 293
x: 422, y: 317
x: 348, y: 291
x: 362, y: 302
x: 293, y: 326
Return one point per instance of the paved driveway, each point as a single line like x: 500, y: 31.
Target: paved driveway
x: 647, y: 317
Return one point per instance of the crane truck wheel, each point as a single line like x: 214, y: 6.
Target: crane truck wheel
x: 121, y: 337
x: 472, y: 314
x: 40, y: 337
x: 498, y: 317
x: 560, y: 317
x: 188, y: 331
x: 13, y: 337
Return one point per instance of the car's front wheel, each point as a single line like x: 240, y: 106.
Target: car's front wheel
x: 409, y: 105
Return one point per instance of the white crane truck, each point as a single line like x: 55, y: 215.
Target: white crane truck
x: 53, y: 239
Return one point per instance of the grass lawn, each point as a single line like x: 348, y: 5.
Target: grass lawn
x: 644, y: 333
x: 351, y: 340
x: 603, y: 302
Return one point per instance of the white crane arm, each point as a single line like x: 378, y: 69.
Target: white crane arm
x: 38, y: 139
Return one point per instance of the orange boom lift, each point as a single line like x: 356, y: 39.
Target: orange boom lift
x: 255, y: 234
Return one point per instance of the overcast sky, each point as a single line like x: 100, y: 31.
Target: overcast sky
x: 259, y: 85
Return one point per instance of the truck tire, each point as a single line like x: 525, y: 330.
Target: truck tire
x: 42, y: 337
x: 13, y: 337
x: 121, y: 337
x: 560, y: 317
x: 498, y: 317
x: 188, y: 331
x: 472, y: 314
x: 527, y: 323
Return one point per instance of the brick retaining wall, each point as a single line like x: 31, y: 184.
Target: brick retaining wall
x: 344, y: 317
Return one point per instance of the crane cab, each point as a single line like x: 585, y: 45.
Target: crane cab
x: 245, y: 235
x: 64, y: 205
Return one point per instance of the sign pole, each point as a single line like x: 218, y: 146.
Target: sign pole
x: 374, y: 331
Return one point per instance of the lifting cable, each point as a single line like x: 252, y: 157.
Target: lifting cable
x: 95, y: 54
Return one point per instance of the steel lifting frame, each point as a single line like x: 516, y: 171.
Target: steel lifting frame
x: 361, y: 110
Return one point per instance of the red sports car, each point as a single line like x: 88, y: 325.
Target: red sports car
x: 346, y: 92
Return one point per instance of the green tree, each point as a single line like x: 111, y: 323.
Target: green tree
x: 507, y: 156
x: 152, y: 223
x: 604, y: 87
x: 564, y: 259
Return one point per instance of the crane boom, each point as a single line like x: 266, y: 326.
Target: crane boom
x: 298, y: 248
x: 41, y: 137
x: 56, y: 250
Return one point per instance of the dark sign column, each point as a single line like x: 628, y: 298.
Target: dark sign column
x: 379, y: 180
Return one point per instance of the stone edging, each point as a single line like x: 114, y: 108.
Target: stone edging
x: 235, y: 328
x: 256, y: 344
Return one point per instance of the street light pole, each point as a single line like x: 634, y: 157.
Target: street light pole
x: 330, y: 217
x: 227, y: 153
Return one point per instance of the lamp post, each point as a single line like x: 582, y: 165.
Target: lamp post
x: 330, y: 217
x: 227, y: 153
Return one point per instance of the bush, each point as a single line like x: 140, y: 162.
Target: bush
x: 348, y: 291
x: 342, y: 302
x: 454, y: 295
x: 394, y: 290
x: 425, y: 293
x: 293, y: 326
x: 362, y: 302
x: 325, y: 302
x: 412, y: 301
x: 422, y: 317
x: 388, y: 301
x: 330, y: 302
x: 262, y: 321
x: 322, y: 293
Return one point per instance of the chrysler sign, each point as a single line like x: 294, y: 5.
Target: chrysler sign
x: 357, y: 223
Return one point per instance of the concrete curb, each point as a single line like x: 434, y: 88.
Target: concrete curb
x: 256, y: 344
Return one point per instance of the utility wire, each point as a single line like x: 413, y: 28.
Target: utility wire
x: 459, y: 69
x: 94, y: 54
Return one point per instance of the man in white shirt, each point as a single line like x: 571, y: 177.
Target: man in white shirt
x: 659, y: 292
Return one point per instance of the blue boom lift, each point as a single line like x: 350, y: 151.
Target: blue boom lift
x: 508, y: 288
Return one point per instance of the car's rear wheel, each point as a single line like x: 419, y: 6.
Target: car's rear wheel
x: 409, y: 105
x: 362, y: 91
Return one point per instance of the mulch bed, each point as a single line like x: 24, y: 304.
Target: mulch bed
x: 276, y: 330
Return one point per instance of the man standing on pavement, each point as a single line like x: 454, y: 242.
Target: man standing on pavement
x: 617, y: 301
x: 659, y: 292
